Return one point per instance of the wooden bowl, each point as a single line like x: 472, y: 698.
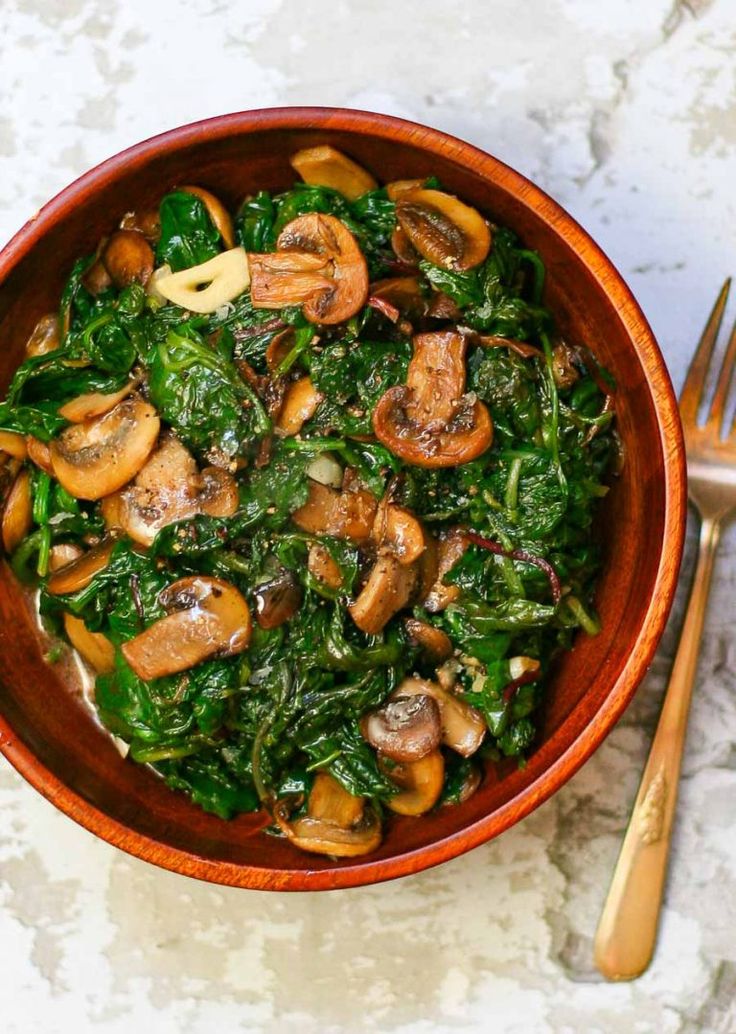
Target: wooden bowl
x: 54, y: 742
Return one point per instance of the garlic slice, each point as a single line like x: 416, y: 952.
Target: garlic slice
x: 206, y: 287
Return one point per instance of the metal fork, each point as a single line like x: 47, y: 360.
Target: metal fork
x: 627, y: 930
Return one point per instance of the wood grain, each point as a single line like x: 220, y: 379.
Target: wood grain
x: 55, y: 743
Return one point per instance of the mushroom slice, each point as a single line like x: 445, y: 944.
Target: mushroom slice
x: 278, y: 600
x: 404, y: 729
x: 420, y: 781
x: 396, y: 188
x: 217, y: 212
x: 300, y: 404
x: 404, y: 293
x: 429, y: 421
x: 17, y: 515
x: 388, y: 589
x: 13, y: 444
x: 94, y: 403
x: 329, y: 801
x: 79, y: 572
x: 329, y: 267
x: 218, y: 493
x: 399, y: 531
x: 450, y: 547
x: 39, y: 453
x: 326, y: 167
x: 208, y: 286
x: 44, y: 336
x: 99, y: 456
x: 95, y: 648
x: 443, y: 229
x: 128, y: 258
x: 324, y: 567
x: 435, y: 643
x: 146, y: 221
x: 463, y: 727
x: 206, y: 617
x: 337, y: 823
x: 344, y: 515
x: 62, y: 554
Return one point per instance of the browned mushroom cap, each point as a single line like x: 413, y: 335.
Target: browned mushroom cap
x: 217, y: 213
x: 207, y: 617
x: 94, y: 403
x: 169, y: 488
x: 420, y: 781
x: 450, y: 547
x: 336, y: 823
x: 44, y: 336
x: 324, y: 567
x: 435, y: 643
x: 147, y: 221
x: 463, y: 727
x: 128, y: 258
x: 405, y: 728
x: 94, y: 647
x: 318, y: 264
x: 299, y: 405
x: 325, y: 167
x: 13, y: 444
x: 39, y: 453
x: 388, y: 589
x: 443, y: 229
x: 17, y: 515
x: 430, y: 422
x: 97, y: 457
x: 79, y: 572
x: 277, y: 600
x: 399, y: 531
x: 344, y: 515
x: 96, y: 278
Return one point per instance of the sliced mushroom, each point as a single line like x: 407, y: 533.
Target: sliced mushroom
x: 13, y: 444
x: 318, y: 264
x: 564, y: 370
x: 128, y: 258
x: 450, y: 547
x: 404, y: 250
x: 169, y: 488
x: 39, y: 453
x: 278, y: 348
x: 146, y: 221
x: 79, y: 572
x: 429, y: 421
x: 95, y: 403
x: 206, y: 617
x: 18, y: 513
x: 210, y: 285
x: 300, y: 404
x: 44, y: 336
x: 399, y: 531
x: 404, y: 729
x: 62, y: 554
x: 277, y: 600
x: 324, y: 567
x: 521, y: 348
x: 96, y: 278
x: 344, y: 515
x: 404, y: 293
x: 463, y: 727
x: 334, y: 825
x: 396, y: 188
x: 217, y: 212
x: 94, y: 647
x: 443, y: 229
x: 387, y: 591
x: 324, y: 166
x: 433, y: 642
x: 420, y: 781
x: 97, y: 457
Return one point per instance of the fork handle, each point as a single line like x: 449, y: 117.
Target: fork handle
x: 627, y: 931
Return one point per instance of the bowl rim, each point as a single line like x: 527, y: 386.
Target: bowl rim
x: 659, y: 386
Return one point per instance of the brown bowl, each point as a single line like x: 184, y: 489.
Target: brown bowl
x: 54, y: 742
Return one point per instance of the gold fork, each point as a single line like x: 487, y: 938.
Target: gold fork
x: 627, y: 930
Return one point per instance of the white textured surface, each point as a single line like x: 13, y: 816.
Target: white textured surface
x: 626, y: 112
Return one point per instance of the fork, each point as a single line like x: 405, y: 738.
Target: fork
x: 627, y: 931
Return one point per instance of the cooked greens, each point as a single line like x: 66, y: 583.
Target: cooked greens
x: 317, y: 557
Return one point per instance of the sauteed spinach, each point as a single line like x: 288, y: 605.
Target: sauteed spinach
x: 311, y: 491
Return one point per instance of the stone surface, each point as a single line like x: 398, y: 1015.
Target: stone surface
x: 626, y: 113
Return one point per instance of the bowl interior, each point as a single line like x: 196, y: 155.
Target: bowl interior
x: 73, y: 760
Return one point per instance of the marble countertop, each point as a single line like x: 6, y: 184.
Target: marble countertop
x: 626, y: 113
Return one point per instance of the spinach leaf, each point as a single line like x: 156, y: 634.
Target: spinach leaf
x: 188, y: 235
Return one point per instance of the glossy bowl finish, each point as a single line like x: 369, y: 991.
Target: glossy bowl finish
x: 55, y: 743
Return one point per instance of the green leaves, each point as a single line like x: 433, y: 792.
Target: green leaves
x: 188, y: 235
